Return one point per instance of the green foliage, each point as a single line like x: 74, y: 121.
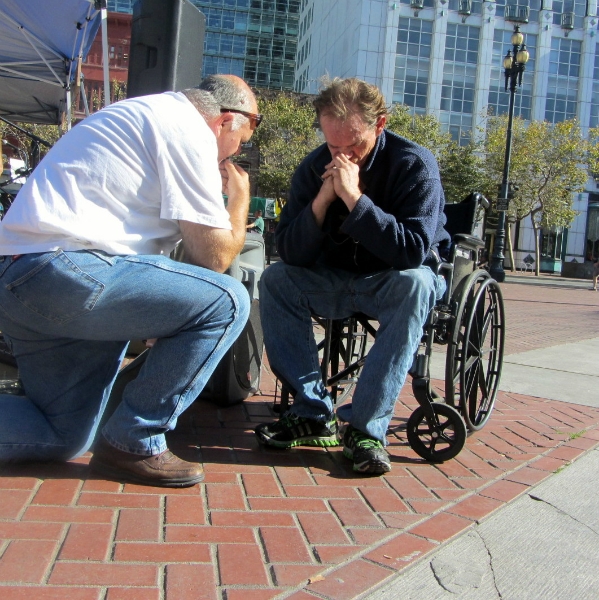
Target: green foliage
x: 118, y: 91
x: 286, y: 135
x: 549, y: 164
x: 462, y: 172
x: 49, y: 133
x: 460, y: 166
x: 422, y: 129
x: 593, y: 150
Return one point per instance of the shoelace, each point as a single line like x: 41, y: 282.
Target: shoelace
x: 362, y: 440
x: 293, y: 421
x: 290, y: 420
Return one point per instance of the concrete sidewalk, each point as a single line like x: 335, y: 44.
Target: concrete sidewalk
x: 546, y: 544
x: 299, y: 524
x: 543, y: 546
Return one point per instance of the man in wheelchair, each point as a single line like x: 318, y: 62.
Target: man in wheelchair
x: 362, y: 232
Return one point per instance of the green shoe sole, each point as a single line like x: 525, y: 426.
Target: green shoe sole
x: 307, y: 441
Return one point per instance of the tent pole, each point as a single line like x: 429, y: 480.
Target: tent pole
x: 69, y: 114
x: 104, y: 17
x: 84, y: 98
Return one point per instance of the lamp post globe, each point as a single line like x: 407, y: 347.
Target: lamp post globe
x: 514, y: 65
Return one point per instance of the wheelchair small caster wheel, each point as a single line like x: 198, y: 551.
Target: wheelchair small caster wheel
x: 437, y: 442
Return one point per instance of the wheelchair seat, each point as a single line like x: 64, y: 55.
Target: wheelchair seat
x: 469, y: 320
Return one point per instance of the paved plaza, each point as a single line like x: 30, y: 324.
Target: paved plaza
x: 299, y: 524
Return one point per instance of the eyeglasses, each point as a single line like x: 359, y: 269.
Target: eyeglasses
x: 256, y: 118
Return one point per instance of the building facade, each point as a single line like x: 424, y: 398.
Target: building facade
x: 445, y: 57
x: 118, y: 27
x: 254, y: 39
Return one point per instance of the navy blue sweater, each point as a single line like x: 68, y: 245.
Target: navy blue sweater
x: 396, y: 222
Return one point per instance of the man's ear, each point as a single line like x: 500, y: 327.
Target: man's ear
x: 222, y: 121
x: 380, y: 124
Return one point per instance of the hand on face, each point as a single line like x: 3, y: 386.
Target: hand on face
x: 345, y: 176
x: 235, y: 179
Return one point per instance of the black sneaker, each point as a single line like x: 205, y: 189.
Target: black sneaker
x: 368, y: 454
x: 291, y: 431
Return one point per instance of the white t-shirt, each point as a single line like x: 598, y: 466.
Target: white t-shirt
x: 120, y: 181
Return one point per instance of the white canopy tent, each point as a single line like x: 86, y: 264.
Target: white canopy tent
x: 42, y: 45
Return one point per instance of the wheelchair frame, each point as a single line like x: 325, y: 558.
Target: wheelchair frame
x: 470, y: 320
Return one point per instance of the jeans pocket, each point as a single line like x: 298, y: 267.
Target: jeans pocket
x: 57, y: 289
x: 4, y: 264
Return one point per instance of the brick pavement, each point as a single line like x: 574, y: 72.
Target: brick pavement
x: 289, y: 524
x: 540, y: 316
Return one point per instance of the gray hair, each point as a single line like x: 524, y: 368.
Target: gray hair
x: 216, y: 92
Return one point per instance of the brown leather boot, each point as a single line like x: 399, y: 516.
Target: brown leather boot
x: 162, y: 470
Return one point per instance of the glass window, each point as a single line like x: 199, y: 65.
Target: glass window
x: 426, y: 3
x: 122, y: 6
x: 475, y: 6
x: 413, y: 50
x: 534, y: 7
x: 576, y: 7
x: 461, y: 44
x: 592, y: 235
x: 211, y: 42
x: 551, y: 242
x: 562, y: 88
x: 213, y: 18
x: 238, y: 44
x: 241, y: 21
x: 459, y: 77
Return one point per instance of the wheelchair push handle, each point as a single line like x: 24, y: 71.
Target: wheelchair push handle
x: 483, y: 201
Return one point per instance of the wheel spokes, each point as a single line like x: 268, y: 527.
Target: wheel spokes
x: 474, y: 359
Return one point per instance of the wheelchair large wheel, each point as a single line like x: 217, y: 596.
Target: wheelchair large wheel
x: 437, y: 442
x: 475, y: 352
x: 341, y: 370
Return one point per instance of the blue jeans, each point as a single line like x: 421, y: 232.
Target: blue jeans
x: 68, y: 317
x: 399, y: 300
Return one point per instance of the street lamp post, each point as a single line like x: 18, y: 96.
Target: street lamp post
x: 514, y: 65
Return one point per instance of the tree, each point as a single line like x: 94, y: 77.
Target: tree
x: 286, y: 135
x: 49, y: 133
x: 549, y: 163
x: 422, y: 129
x: 462, y: 172
x: 460, y: 166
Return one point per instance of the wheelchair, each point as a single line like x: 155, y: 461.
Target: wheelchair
x: 469, y: 320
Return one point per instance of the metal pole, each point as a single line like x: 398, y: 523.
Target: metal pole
x: 105, y: 59
x: 513, y: 75
x: 497, y: 258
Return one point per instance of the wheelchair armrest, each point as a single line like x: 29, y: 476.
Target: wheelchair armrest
x: 469, y: 241
x: 445, y: 268
x: 483, y: 202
